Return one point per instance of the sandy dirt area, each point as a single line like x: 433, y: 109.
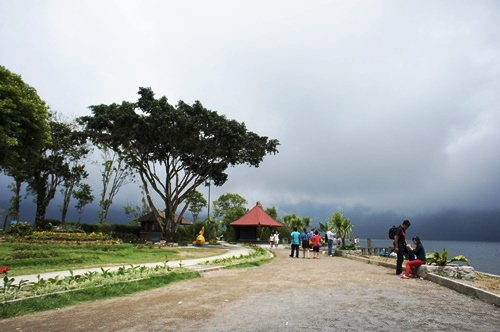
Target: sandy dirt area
x: 289, y: 294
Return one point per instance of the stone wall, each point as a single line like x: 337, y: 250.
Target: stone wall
x: 450, y: 271
x: 347, y: 252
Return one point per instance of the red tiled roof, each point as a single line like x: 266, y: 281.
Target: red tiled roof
x: 257, y: 217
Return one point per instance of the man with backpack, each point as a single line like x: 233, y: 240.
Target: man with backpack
x: 400, y: 245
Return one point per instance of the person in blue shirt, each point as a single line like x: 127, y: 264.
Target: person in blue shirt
x: 295, y: 242
x: 304, y: 237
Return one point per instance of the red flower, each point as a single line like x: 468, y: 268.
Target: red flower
x: 4, y: 269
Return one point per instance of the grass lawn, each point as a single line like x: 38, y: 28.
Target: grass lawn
x: 32, y: 258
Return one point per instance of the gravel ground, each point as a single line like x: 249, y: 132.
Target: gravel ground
x: 288, y: 294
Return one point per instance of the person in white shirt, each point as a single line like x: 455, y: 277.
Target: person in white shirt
x: 330, y: 236
x: 276, y: 239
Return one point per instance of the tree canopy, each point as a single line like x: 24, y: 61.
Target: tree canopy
x: 174, y: 149
x: 24, y: 127
x: 196, y: 203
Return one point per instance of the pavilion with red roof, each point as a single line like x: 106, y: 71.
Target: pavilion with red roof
x: 246, y: 226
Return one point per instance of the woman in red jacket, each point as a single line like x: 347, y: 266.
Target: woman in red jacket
x: 316, y: 244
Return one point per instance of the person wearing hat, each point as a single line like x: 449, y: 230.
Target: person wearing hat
x: 419, y: 252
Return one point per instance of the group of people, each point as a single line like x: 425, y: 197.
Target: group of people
x: 416, y: 256
x: 274, y: 240
x: 310, y: 241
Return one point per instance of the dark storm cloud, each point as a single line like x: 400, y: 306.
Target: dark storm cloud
x: 385, y: 105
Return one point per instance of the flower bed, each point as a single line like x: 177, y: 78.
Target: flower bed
x: 13, y: 290
x: 67, y: 237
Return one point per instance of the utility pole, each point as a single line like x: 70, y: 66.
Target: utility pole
x: 207, y: 184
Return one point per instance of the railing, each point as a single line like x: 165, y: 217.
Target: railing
x: 378, y: 251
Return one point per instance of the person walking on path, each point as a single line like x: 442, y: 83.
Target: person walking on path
x: 330, y: 236
x: 271, y: 241
x: 400, y: 245
x: 276, y: 239
x: 316, y: 244
x: 295, y: 242
x: 419, y: 252
x: 304, y: 237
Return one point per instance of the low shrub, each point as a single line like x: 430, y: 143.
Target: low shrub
x: 22, y: 228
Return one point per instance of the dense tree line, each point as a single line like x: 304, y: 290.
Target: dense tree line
x: 171, y: 149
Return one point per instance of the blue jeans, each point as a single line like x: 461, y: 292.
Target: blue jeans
x: 295, y: 248
x: 330, y: 247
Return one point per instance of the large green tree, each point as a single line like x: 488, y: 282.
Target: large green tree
x: 24, y: 131
x: 53, y: 165
x: 175, y: 149
x: 24, y: 127
x: 228, y: 208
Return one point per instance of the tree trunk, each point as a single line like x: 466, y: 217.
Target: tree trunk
x: 41, y: 208
x: 65, y: 204
x: 43, y: 198
x: 168, y: 234
x: 16, y: 200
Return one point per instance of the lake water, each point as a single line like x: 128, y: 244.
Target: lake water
x: 483, y: 256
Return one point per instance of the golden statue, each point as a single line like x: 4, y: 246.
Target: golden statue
x: 200, y: 239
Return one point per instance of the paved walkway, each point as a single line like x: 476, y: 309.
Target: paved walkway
x: 288, y: 294
x: 234, y: 251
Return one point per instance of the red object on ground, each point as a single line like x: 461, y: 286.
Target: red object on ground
x: 4, y: 269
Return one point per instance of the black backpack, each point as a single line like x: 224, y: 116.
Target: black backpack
x: 392, y: 232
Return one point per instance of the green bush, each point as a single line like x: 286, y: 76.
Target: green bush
x: 442, y: 259
x: 20, y: 229
x: 54, y: 222
x: 89, y: 228
x: 351, y: 246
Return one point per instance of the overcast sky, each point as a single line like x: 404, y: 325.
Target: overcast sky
x: 382, y: 105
